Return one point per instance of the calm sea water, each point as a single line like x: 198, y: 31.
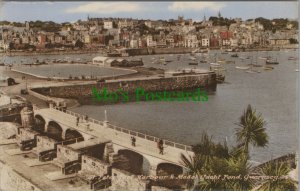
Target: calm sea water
x: 272, y: 93
x: 66, y: 70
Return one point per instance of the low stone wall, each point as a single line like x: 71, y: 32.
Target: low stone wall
x: 95, y: 166
x: 45, y: 98
x: 288, y: 159
x: 12, y: 181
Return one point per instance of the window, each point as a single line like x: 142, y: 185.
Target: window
x: 84, y: 161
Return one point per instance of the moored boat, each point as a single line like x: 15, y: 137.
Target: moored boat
x: 268, y: 68
x: 215, y: 64
x: 292, y: 58
x: 242, y: 67
x: 272, y: 62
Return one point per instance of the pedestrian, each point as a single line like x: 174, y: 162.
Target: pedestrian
x: 77, y: 121
x: 86, y: 118
x: 160, y: 145
x: 133, y: 141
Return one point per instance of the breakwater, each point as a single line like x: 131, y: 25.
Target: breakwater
x: 83, y: 93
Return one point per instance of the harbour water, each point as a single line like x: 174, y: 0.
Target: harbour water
x: 72, y: 70
x: 272, y: 93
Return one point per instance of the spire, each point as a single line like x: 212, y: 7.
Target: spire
x: 219, y: 14
x: 204, y: 18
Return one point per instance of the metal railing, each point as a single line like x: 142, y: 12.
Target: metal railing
x: 129, y: 132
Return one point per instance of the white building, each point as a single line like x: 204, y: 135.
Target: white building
x: 134, y: 43
x: 3, y: 45
x: 87, y: 39
x: 233, y: 42
x: 108, y: 24
x: 150, y: 42
x: 191, y: 41
x: 226, y: 42
x: 205, y: 42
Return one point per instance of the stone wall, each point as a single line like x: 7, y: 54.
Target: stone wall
x: 122, y: 180
x: 12, y: 181
x: 206, y: 81
x: 146, y: 51
x: 95, y: 166
x: 45, y: 143
x: 67, y: 154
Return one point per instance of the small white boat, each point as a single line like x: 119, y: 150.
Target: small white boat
x: 215, y: 64
x: 242, y: 67
x: 192, y: 58
x: 297, y: 70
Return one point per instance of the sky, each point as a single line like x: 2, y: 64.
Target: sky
x: 72, y: 11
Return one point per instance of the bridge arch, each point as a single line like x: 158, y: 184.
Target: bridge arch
x: 169, y: 170
x: 40, y: 123
x: 130, y: 161
x: 54, y: 131
x: 72, y: 134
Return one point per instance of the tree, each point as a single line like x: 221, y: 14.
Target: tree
x: 293, y: 41
x: 280, y: 170
x: 265, y: 22
x: 79, y: 44
x: 252, y: 130
x: 194, y: 164
x: 208, y: 158
x: 239, y: 166
x: 208, y: 149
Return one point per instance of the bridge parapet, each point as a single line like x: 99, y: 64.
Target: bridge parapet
x: 146, y: 145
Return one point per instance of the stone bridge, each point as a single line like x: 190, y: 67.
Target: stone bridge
x: 62, y: 125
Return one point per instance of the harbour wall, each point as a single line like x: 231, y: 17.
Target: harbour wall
x: 147, y: 51
x: 84, y: 94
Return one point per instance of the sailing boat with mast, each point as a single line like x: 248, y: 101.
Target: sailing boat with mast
x: 251, y: 71
x: 220, y: 77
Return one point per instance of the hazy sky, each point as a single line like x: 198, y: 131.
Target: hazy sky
x: 72, y: 11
